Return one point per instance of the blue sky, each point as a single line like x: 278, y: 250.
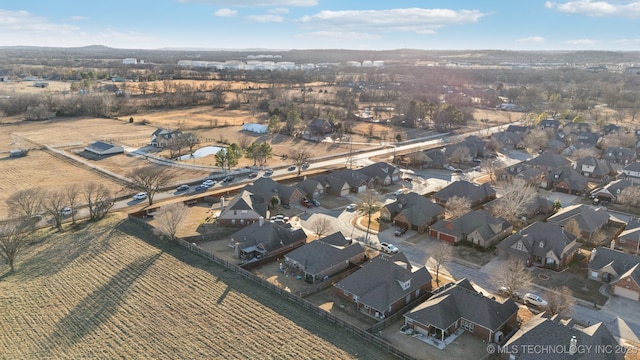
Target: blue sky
x: 324, y: 24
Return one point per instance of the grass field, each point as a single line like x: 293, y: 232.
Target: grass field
x: 111, y: 290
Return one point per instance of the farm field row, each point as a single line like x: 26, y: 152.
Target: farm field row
x: 114, y: 291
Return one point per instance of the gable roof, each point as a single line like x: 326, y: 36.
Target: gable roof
x: 614, y: 188
x: 268, y: 236
x: 619, y: 261
x: 477, y: 220
x: 245, y: 200
x: 462, y: 301
x: 573, y: 179
x: 522, y: 170
x: 634, y: 166
x: 417, y: 209
x: 100, y: 146
x: 335, y: 239
x: 553, y: 238
x: 377, y: 284
x: 352, y: 177
x: 464, y: 188
x: 378, y: 170
x: 601, y: 167
x: 540, y: 330
x: 537, y: 204
x: 308, y: 186
x: 268, y: 187
x: 549, y: 160
x: 317, y: 256
x: 589, y: 219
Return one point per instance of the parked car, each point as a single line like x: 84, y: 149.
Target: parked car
x: 400, y: 231
x: 534, y: 299
x: 351, y: 207
x: 209, y: 183
x: 140, y: 196
x: 228, y: 178
x: 253, y: 174
x: 305, y: 166
x: 67, y: 211
x: 268, y: 172
x: 201, y: 187
x: 315, y: 202
x: 388, y: 248
x: 291, y: 168
x: 182, y: 188
x: 504, y: 291
x: 398, y: 192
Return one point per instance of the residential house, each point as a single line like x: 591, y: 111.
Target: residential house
x: 480, y: 144
x: 244, y: 209
x: 611, y: 191
x: 454, y: 152
x: 265, y: 239
x: 319, y: 260
x: 477, y: 194
x: 317, y: 129
x: 434, y: 159
x: 507, y: 139
x: 358, y: 182
x: 632, y: 172
x: 549, y: 124
x: 537, y: 205
x: 384, y: 285
x: 528, y: 173
x: 629, y: 239
x: 595, y: 168
x: 541, y: 331
x: 163, y: 137
x: 571, y: 149
x: 459, y: 307
x: 311, y: 188
x: 477, y: 227
x: 334, y: 185
x: 586, y: 137
x: 576, y: 127
x: 381, y: 173
x: 620, y: 155
x: 412, y: 211
x: 517, y: 129
x: 611, y: 129
x: 619, y: 269
x: 540, y: 244
x: 548, y: 161
x: 590, y: 220
x: 271, y: 189
x: 569, y: 181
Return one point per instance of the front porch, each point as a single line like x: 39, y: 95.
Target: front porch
x: 438, y: 338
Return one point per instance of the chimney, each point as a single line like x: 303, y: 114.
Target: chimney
x: 261, y: 220
x: 573, y: 345
x: 593, y: 254
x: 612, y: 246
x: 221, y: 202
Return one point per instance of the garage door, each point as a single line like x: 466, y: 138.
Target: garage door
x: 624, y: 292
x: 447, y: 238
x: 344, y: 192
x: 362, y: 188
x: 433, y: 233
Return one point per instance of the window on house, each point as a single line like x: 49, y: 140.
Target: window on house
x: 233, y: 221
x: 467, y: 325
x: 621, y: 240
x: 541, y: 244
x: 519, y: 246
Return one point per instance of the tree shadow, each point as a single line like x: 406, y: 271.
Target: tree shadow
x: 97, y: 307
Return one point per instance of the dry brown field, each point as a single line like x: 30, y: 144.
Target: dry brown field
x: 111, y: 290
x: 6, y: 88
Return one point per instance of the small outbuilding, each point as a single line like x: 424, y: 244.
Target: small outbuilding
x: 102, y: 148
x: 256, y: 128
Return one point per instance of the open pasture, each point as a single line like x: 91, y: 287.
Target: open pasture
x: 115, y: 291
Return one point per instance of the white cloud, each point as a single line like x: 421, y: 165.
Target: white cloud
x: 225, y: 13
x: 409, y: 19
x: 426, y: 32
x: 265, y: 18
x: 256, y: 3
x: 278, y: 11
x: 629, y: 9
x: 27, y: 22
x: 531, y: 39
x: 627, y: 42
x: 341, y: 35
x: 582, y: 42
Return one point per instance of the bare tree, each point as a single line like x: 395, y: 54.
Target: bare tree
x: 72, y: 195
x: 169, y: 218
x: 300, y: 156
x: 573, y: 227
x: 98, y: 198
x: 244, y: 141
x: 441, y: 254
x: 52, y: 203
x: 14, y: 236
x: 321, y: 226
x: 460, y: 155
x: 630, y: 196
x: 191, y: 140
x: 369, y: 203
x: 490, y: 166
x: 150, y: 179
x: 584, y: 152
x: 27, y: 203
x: 560, y: 301
x: 536, y: 139
x: 513, y: 277
x: 517, y: 195
x: 457, y: 206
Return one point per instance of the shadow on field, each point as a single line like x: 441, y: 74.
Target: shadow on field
x: 100, y: 305
x: 86, y: 243
x: 236, y: 283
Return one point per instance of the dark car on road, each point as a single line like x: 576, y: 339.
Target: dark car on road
x: 182, y: 188
x: 201, y: 187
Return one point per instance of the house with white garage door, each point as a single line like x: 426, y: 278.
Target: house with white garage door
x: 619, y: 269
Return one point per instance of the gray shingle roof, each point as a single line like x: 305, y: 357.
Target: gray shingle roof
x: 478, y: 220
x: 549, y: 160
x: 462, y: 301
x: 318, y: 256
x: 416, y: 208
x: 570, y: 176
x: 464, y: 188
x: 589, y: 219
x: 540, y: 330
x: 552, y: 236
x: 620, y: 261
x: 270, y: 236
x: 634, y: 166
x: 267, y: 187
x: 377, y: 283
x: 247, y: 201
